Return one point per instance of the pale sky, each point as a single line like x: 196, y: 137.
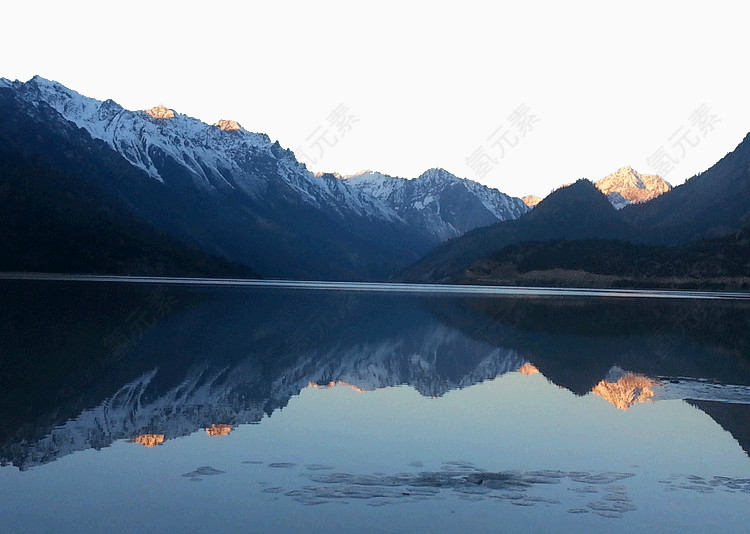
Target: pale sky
x: 522, y: 96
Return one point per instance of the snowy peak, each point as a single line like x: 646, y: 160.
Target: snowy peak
x: 156, y: 139
x: 437, y: 174
x: 626, y: 186
x: 228, y: 126
x: 160, y: 112
x: 358, y: 174
x: 140, y: 136
x: 269, y: 187
x: 444, y: 205
x: 376, y: 184
x: 321, y: 174
x: 531, y: 200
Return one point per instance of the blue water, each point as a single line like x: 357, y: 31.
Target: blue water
x: 371, y: 410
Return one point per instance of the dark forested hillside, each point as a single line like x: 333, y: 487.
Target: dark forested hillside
x: 722, y: 263
x: 579, y: 211
x: 52, y: 221
x: 711, y: 204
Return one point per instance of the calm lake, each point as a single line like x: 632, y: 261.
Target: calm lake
x: 333, y: 408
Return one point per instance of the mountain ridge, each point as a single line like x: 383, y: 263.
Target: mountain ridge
x: 228, y: 192
x: 569, y: 212
x: 444, y: 204
x: 711, y: 205
x: 235, y: 195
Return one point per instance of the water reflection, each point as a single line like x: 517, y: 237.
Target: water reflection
x: 149, y: 440
x: 625, y: 389
x: 84, y: 366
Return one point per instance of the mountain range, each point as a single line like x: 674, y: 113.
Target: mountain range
x: 578, y: 211
x: 712, y: 205
x: 622, y: 187
x: 440, y: 202
x: 230, y: 197
x: 88, y: 186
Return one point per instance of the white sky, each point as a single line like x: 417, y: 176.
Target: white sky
x: 608, y: 84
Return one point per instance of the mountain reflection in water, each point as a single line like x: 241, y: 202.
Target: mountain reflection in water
x: 86, y: 365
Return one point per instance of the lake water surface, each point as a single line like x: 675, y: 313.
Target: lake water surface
x: 327, y: 407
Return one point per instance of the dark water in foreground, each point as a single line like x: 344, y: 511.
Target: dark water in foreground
x: 127, y: 407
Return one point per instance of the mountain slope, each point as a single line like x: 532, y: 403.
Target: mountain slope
x: 163, y: 143
x: 438, y: 202
x: 722, y: 263
x: 227, y: 192
x: 711, y: 204
x: 235, y: 194
x: 578, y: 211
x: 54, y: 221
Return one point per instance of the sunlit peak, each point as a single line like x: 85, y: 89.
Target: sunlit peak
x: 336, y: 383
x: 624, y: 389
x: 528, y: 369
x: 160, y: 112
x: 149, y: 440
x: 218, y: 430
x: 227, y: 125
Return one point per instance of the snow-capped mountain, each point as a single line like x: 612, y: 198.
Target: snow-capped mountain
x: 231, y: 193
x: 219, y: 156
x: 626, y: 186
x: 444, y: 205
